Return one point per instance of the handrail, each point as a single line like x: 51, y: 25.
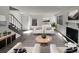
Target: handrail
x: 16, y: 19
x: 67, y: 37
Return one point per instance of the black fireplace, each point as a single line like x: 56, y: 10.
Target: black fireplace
x: 72, y: 34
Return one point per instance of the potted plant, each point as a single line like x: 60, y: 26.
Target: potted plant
x: 4, y: 33
x: 44, y: 35
x: 54, y: 25
x: 9, y: 32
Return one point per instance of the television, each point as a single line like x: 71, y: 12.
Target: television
x: 72, y: 34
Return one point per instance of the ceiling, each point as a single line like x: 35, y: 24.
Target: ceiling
x: 43, y: 10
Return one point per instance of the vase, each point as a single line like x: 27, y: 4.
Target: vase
x: 44, y: 36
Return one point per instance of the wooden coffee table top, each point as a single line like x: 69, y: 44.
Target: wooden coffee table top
x: 39, y: 39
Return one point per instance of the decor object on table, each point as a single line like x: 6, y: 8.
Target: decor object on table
x: 43, y: 34
x: 54, y: 25
x: 4, y: 33
x: 9, y: 32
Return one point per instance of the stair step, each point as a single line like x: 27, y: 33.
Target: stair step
x: 15, y: 29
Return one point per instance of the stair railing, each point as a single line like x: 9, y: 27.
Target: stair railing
x: 15, y: 21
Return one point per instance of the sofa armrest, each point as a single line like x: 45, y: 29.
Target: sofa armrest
x: 53, y: 48
x: 36, y: 48
x: 29, y: 49
x: 18, y: 45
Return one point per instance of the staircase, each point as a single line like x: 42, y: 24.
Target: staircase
x: 15, y: 25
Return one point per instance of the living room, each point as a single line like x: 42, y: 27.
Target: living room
x: 39, y: 29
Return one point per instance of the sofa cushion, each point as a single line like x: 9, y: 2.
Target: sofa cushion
x: 49, y: 28
x: 53, y: 48
x: 39, y: 28
x: 36, y: 48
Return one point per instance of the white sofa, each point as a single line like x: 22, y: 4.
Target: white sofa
x: 37, y: 30
x: 40, y: 29
x: 53, y: 49
x: 35, y: 49
x: 18, y: 45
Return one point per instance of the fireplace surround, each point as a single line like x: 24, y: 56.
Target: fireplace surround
x: 72, y: 34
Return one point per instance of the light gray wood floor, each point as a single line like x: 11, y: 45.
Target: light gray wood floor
x: 29, y: 40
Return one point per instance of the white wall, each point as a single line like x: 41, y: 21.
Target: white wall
x: 2, y: 18
x: 62, y: 28
x: 53, y: 19
x: 26, y: 21
x: 4, y: 11
x: 29, y: 22
x: 40, y: 19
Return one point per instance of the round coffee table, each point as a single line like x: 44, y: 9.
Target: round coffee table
x: 43, y: 41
